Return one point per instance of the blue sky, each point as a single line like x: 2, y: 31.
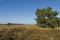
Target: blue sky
x: 23, y: 11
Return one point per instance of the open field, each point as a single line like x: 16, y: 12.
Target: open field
x: 28, y: 32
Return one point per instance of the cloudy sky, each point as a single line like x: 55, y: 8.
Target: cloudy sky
x: 23, y: 11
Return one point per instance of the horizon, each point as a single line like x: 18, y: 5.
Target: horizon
x: 23, y: 11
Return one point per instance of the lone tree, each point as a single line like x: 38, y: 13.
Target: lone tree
x: 46, y: 17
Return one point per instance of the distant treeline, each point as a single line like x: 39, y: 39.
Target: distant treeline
x: 11, y: 24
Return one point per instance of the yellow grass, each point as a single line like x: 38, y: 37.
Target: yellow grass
x: 28, y: 32
x: 28, y: 27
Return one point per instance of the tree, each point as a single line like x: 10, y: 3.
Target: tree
x: 9, y: 23
x: 47, y: 17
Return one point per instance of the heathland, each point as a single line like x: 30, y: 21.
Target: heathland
x: 28, y: 32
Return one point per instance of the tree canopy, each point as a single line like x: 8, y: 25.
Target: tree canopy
x: 46, y: 17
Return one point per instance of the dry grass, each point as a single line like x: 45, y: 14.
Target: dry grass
x: 28, y: 27
x: 28, y: 32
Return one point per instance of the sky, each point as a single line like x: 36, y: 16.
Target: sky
x: 23, y: 11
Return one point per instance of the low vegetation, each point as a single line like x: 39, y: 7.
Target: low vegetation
x: 28, y: 32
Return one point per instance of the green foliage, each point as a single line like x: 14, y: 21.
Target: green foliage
x: 47, y: 17
x: 9, y: 23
